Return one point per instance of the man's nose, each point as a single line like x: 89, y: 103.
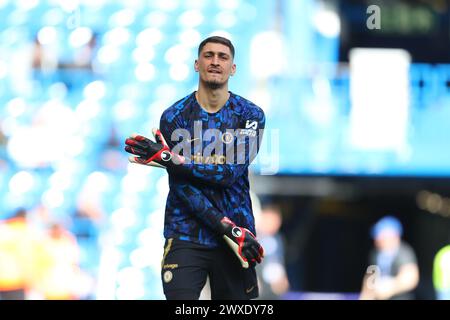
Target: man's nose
x: 215, y: 60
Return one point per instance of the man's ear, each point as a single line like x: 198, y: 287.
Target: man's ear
x: 196, y: 65
x: 233, y: 69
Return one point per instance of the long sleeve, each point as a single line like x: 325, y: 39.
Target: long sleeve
x: 212, y: 182
x: 187, y: 193
x: 199, y: 205
x: 245, y: 149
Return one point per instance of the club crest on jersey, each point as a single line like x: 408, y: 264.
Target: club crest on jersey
x: 227, y: 137
x: 168, y: 276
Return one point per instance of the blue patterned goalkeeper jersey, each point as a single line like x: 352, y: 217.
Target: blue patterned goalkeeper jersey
x: 213, y: 181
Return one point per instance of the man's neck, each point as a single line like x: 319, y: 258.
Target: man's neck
x: 212, y: 100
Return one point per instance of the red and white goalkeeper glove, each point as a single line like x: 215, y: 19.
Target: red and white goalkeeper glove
x: 148, y: 152
x: 242, y: 242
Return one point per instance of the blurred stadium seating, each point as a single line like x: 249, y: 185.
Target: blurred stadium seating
x: 63, y: 120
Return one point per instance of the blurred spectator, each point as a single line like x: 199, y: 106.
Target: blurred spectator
x: 77, y: 70
x: 37, y: 61
x: 57, y: 263
x: 3, y: 138
x: 112, y: 157
x: 83, y: 56
x: 3, y: 154
x: 441, y: 273
x: 50, y: 64
x: 84, y: 226
x: 17, y: 244
x: 88, y: 219
x: 393, y: 273
x: 43, y: 58
x: 272, y: 273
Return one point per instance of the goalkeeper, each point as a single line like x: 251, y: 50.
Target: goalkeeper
x: 209, y: 225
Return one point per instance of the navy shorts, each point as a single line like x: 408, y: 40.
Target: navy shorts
x: 186, y: 266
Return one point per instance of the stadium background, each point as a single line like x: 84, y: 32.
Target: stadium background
x: 77, y: 77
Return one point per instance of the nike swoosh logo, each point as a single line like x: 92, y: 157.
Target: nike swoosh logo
x: 250, y: 289
x: 192, y: 140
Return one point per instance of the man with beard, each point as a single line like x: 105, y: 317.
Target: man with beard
x: 209, y: 224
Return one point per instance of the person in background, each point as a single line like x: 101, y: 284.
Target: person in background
x: 441, y: 273
x: 17, y: 240
x: 272, y: 273
x: 393, y: 273
x: 57, y: 271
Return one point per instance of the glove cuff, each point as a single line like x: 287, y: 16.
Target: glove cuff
x: 226, y: 225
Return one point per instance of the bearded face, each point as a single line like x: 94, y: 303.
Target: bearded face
x: 215, y: 65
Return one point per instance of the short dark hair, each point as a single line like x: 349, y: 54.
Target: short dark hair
x: 217, y: 39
